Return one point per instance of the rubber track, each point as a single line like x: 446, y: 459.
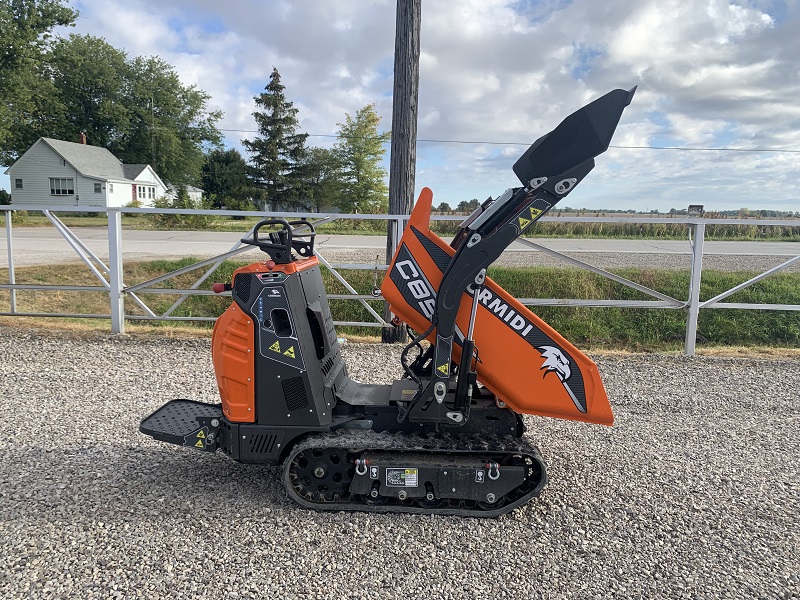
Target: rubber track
x: 354, y: 440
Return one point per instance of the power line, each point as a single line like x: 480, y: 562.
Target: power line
x: 685, y: 149
x: 496, y: 143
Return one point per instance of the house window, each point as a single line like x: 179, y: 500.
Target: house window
x: 151, y: 193
x: 97, y: 188
x: 18, y: 184
x: 140, y: 191
x: 110, y: 188
x: 62, y: 186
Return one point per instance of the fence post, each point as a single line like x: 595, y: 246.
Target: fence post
x: 115, y: 290
x: 395, y: 333
x: 11, y: 276
x: 694, y: 288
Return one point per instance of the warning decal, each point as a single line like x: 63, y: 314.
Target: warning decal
x: 197, y: 439
x: 444, y: 369
x: 276, y: 347
x: 531, y: 213
x: 402, y: 477
x: 289, y: 352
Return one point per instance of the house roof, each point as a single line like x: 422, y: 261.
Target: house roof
x: 90, y: 161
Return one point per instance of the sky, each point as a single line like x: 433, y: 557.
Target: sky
x: 716, y: 78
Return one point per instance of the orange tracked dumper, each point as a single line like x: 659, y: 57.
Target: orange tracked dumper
x: 448, y: 436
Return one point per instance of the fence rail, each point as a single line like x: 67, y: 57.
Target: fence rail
x: 110, y: 277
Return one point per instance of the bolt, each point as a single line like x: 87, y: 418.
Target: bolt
x: 374, y: 493
x: 430, y: 497
x: 402, y: 494
x: 319, y: 472
x: 454, y: 489
x: 490, y: 498
x: 445, y: 472
x: 214, y: 422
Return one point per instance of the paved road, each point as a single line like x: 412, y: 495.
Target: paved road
x: 41, y: 245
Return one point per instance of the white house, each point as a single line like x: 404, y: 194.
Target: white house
x: 58, y: 173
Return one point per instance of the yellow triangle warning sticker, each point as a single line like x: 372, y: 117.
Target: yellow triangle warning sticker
x: 535, y: 212
x: 199, y: 444
x: 200, y: 434
x: 444, y: 369
x: 523, y: 222
x: 276, y: 347
x: 290, y: 352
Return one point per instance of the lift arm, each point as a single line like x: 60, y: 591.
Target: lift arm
x: 549, y: 170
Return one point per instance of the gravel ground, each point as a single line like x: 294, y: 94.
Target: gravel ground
x: 692, y: 494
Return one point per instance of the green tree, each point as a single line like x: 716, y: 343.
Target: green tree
x: 444, y: 207
x: 138, y: 109
x: 225, y: 181
x: 25, y: 27
x: 278, y: 150
x: 360, y: 150
x: 91, y: 79
x: 320, y: 173
x: 467, y: 205
x: 170, y: 125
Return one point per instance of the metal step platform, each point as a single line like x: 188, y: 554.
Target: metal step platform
x: 185, y: 423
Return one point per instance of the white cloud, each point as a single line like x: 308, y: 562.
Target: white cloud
x: 710, y: 72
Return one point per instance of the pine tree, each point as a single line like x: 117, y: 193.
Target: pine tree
x: 278, y: 150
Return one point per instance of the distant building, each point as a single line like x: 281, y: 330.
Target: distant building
x: 58, y: 173
x: 195, y: 194
x: 696, y: 210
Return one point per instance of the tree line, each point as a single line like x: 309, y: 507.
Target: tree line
x: 58, y: 87
x: 285, y: 173
x: 138, y: 108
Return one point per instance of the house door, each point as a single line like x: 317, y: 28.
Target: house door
x: 133, y: 193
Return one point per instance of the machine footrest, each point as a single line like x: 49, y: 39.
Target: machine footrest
x: 186, y: 423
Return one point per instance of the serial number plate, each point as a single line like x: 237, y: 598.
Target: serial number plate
x: 402, y: 477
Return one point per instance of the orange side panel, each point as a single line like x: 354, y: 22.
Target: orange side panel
x: 232, y: 344
x: 524, y: 361
x: 231, y: 352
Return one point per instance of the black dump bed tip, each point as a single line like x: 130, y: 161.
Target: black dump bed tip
x: 580, y: 137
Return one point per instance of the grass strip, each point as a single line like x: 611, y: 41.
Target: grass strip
x: 599, y: 328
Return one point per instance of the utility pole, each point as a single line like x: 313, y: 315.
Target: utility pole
x: 403, y: 154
